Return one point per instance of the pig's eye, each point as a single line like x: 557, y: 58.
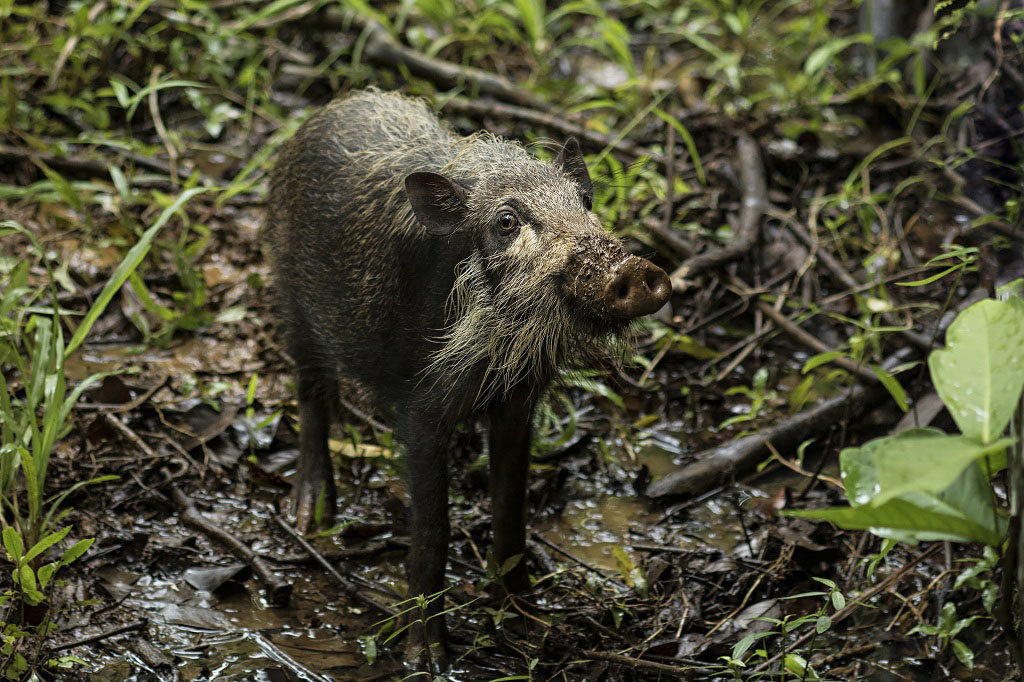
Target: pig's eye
x: 507, y: 221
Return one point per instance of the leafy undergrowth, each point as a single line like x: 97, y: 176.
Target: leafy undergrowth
x: 137, y: 340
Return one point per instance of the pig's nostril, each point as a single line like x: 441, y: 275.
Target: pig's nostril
x: 637, y: 287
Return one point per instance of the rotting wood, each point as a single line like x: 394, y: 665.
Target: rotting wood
x: 101, y: 169
x: 278, y: 590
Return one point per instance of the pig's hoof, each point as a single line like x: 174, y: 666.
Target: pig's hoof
x: 305, y: 502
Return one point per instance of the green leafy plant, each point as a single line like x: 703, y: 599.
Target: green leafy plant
x: 795, y: 665
x: 923, y: 484
x: 32, y: 584
x: 946, y: 629
x: 36, y: 416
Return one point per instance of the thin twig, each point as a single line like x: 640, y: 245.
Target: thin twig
x: 660, y: 668
x: 107, y: 634
x: 347, y: 585
x: 278, y: 590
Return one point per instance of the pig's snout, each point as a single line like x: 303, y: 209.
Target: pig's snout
x: 636, y: 287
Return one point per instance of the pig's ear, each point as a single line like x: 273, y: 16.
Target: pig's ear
x: 571, y: 161
x: 438, y: 203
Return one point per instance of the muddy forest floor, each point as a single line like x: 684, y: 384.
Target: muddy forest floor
x: 742, y: 146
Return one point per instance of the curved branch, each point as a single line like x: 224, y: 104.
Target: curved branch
x: 755, y: 202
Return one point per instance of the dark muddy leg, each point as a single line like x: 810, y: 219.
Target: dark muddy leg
x: 510, y: 436
x: 427, y: 467
x: 318, y: 394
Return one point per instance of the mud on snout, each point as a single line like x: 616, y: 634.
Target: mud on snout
x: 610, y: 284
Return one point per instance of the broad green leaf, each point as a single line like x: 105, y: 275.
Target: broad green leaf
x: 857, y: 465
x: 824, y: 54
x: 913, y: 517
x: 45, y: 573
x: 27, y: 578
x: 980, y: 373
x: 76, y: 550
x: 47, y: 542
x: 892, y: 385
x: 33, y: 597
x: 964, y: 654
x: 821, y: 359
x: 510, y: 563
x: 920, y: 462
x: 13, y: 544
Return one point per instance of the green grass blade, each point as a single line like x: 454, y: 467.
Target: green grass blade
x: 127, y: 267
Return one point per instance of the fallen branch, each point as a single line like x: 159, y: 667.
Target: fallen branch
x: 97, y: 168
x: 382, y: 48
x: 278, y: 591
x: 478, y: 108
x: 734, y: 459
x: 755, y: 201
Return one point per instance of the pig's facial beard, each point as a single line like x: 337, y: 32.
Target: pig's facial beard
x: 524, y: 329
